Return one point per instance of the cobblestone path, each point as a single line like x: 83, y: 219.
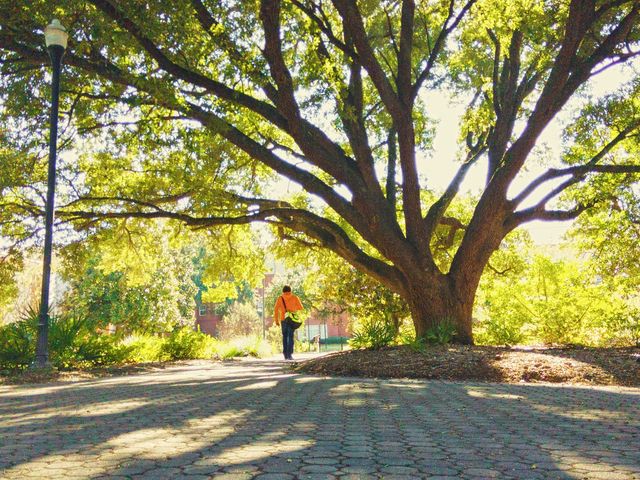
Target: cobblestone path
x: 244, y: 420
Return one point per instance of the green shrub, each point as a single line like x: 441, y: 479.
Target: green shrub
x: 17, y: 345
x: 241, y: 320
x: 185, y: 343
x: 417, y: 344
x: 252, y: 346
x: 248, y: 346
x: 95, y: 350
x: 373, y: 333
x: 441, y: 334
x: 72, y: 342
x: 500, y: 331
x: 274, y: 339
x: 226, y: 351
x: 143, y: 348
x: 620, y: 328
x: 407, y: 335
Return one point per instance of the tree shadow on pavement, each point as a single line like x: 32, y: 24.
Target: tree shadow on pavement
x: 246, y: 419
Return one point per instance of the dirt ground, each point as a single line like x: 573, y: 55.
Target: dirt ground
x: 568, y: 365
x: 45, y: 376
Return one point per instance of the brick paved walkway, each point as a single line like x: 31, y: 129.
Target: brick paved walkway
x: 245, y: 420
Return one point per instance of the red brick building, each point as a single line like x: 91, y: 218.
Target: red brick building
x: 325, y: 325
x: 206, y: 319
x: 336, y: 325
x: 332, y: 325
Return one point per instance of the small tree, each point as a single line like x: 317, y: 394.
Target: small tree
x: 154, y: 295
x: 240, y: 320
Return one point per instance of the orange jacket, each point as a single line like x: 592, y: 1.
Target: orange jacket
x: 291, y: 301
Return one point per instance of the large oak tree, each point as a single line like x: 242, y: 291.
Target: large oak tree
x: 184, y: 106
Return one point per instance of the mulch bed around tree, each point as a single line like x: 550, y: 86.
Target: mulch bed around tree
x: 567, y: 365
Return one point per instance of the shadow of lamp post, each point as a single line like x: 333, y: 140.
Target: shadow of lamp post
x: 56, y: 40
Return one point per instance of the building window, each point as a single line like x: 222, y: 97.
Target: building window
x: 202, y: 310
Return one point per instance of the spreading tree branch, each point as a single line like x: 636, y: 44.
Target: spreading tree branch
x: 440, y: 42
x: 315, y: 12
x: 316, y: 146
x: 216, y: 88
x: 438, y: 209
x: 578, y: 172
x: 535, y: 213
x: 327, y: 233
x: 222, y: 39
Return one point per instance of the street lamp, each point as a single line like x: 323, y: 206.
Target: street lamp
x: 56, y: 40
x: 264, y: 328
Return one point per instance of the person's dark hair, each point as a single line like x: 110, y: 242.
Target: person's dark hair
x: 286, y: 289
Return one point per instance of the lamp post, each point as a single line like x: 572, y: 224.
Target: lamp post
x: 56, y: 40
x: 264, y: 328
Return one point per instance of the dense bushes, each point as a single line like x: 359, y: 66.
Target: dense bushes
x: 74, y: 343
x: 133, y: 297
x: 373, y: 332
x: 17, y: 345
x: 144, y: 348
x: 184, y: 343
x: 376, y: 333
x: 556, y: 302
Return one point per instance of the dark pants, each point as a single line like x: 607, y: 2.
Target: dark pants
x: 287, y: 338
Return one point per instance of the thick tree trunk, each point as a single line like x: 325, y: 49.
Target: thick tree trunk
x: 435, y: 302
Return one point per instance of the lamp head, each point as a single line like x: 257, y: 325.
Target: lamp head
x: 55, y: 34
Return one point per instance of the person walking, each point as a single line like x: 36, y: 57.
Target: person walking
x: 285, y: 311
